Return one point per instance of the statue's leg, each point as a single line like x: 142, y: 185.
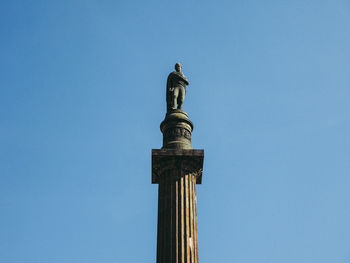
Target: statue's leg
x: 181, y: 97
x: 176, y: 95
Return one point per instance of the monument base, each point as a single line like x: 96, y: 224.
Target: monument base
x: 176, y: 129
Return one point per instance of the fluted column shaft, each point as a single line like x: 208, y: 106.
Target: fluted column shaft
x: 177, y: 172
x: 177, y: 218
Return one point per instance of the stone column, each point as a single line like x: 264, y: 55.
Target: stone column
x: 177, y: 168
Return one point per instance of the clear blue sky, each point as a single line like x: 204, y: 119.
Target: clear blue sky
x: 83, y: 94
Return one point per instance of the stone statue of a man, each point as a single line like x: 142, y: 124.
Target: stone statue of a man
x: 176, y: 88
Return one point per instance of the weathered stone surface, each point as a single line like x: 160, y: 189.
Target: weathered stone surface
x: 177, y: 168
x: 184, y: 160
x: 177, y: 171
x: 176, y: 88
x: 176, y: 129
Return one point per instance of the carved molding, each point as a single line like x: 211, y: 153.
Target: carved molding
x: 177, y: 132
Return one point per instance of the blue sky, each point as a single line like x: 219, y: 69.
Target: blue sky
x: 83, y: 94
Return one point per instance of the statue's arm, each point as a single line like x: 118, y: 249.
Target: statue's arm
x: 187, y: 82
x: 185, y: 79
x: 182, y: 77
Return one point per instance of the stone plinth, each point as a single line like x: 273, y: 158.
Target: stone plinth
x: 177, y: 171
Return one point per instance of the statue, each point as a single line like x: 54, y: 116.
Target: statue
x: 176, y: 89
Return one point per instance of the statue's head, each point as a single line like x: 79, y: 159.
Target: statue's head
x: 178, y: 67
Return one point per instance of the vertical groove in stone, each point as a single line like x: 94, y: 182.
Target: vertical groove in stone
x: 179, y: 251
x: 191, y: 217
x: 176, y: 221
x: 195, y: 221
x: 173, y: 226
x: 168, y: 218
x: 159, y: 233
x: 162, y: 228
x: 185, y: 219
x: 165, y: 219
x: 182, y: 221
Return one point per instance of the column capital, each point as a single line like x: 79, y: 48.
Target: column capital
x: 188, y: 161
